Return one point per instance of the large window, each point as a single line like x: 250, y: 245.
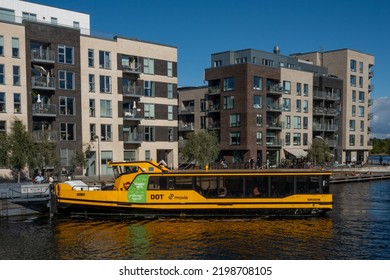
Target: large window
x: 105, y: 108
x: 169, y: 69
x: 15, y: 47
x: 353, y: 65
x: 352, y: 140
x: 287, y: 139
x: 297, y: 139
x: 259, y: 138
x: 235, y: 120
x: 170, y: 113
x: 68, y: 131
x: 297, y: 123
x: 2, y: 74
x: 170, y: 91
x: 235, y: 138
x: 92, y: 131
x: 149, y: 111
x: 66, y: 156
x: 228, y: 84
x: 361, y: 111
x: 228, y: 102
x: 106, y: 132
x: 91, y: 80
x: 2, y: 102
x: 65, y: 54
x: 66, y: 79
x: 91, y: 58
x: 17, y: 103
x: 361, y: 96
x: 353, y: 81
x: 149, y: 88
x: 288, y: 121
x: 148, y: 65
x: 149, y: 134
x: 305, y: 89
x: 287, y: 87
x: 1, y: 45
x: 286, y: 104
x: 259, y: 120
x: 257, y: 83
x: 105, y: 84
x: 67, y: 105
x: 92, y: 108
x: 298, y: 105
x: 257, y: 101
x: 104, y: 60
x: 351, y: 125
x: 16, y: 75
x: 299, y: 89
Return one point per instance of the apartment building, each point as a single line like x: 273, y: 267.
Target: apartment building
x: 266, y: 105
x: 114, y: 97
x: 356, y: 70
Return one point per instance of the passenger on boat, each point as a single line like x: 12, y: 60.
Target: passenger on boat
x: 255, y: 191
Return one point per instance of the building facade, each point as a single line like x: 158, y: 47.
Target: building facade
x: 116, y: 98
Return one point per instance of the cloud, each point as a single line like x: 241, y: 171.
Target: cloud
x: 380, y: 124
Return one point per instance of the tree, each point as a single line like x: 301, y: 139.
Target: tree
x: 43, y: 153
x: 79, y: 157
x: 319, y: 151
x: 201, y: 147
x: 4, y: 147
x: 19, y: 147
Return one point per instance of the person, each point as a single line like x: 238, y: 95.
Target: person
x: 256, y: 191
x: 251, y: 161
x: 39, y: 179
x: 51, y: 183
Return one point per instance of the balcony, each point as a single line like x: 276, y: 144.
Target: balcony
x: 132, y: 91
x: 325, y: 127
x: 370, y: 102
x: 275, y: 89
x: 184, y: 126
x: 133, y: 137
x: 371, y: 74
x: 274, y: 126
x: 214, y: 126
x: 214, y: 109
x: 133, y: 68
x: 274, y: 143
x: 214, y: 90
x: 45, y: 135
x: 43, y: 56
x: 326, y: 95
x: 370, y: 116
x: 370, y: 88
x: 274, y: 108
x: 43, y: 83
x: 187, y: 110
x: 132, y: 115
x: 44, y: 110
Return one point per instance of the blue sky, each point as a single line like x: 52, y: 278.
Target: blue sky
x: 200, y: 28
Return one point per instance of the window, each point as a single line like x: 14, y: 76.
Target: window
x: 147, y: 155
x: 352, y: 80
x: 91, y: 80
x: 129, y: 155
x: 361, y: 96
x: 2, y: 79
x: 16, y: 75
x: 170, y: 134
x: 1, y: 45
x: 92, y: 131
x: 17, y: 103
x: 305, y: 122
x: 305, y: 106
x: 66, y: 79
x: 148, y: 65
x: 202, y: 122
x: 259, y: 137
x: 299, y: 88
x: 354, y: 96
x: 353, y: 110
x: 202, y: 105
x: 170, y: 91
x: 257, y: 83
x: 361, y: 140
x: 68, y: 131
x: 235, y: 120
x: 54, y: 20
x: 257, y: 101
x: 296, y: 139
x: 91, y: 58
x: 353, y: 65
x: 149, y: 88
x: 287, y: 139
x: 92, y: 108
x: 361, y: 126
x: 267, y: 62
x: 287, y: 87
x: 235, y: 138
x: 104, y: 60
x: 286, y: 104
x: 169, y: 69
x: 105, y: 84
x: 149, y: 111
x: 298, y: 105
x: 76, y: 24
x: 106, y: 132
x: 228, y: 102
x: 361, y: 111
x: 149, y: 134
x: 259, y: 120
x: 66, y: 156
x: 15, y: 47
x: 352, y: 140
x: 360, y: 82
x: 29, y: 16
x: 2, y: 102
x: 305, y: 139
x: 65, y: 54
x: 105, y: 108
x: 2, y: 127
x: 228, y: 84
x: 170, y: 113
x: 351, y: 125
x: 361, y: 66
x: 297, y: 123
x: 288, y: 121
x: 218, y: 63
x: 305, y: 90
x: 67, y: 105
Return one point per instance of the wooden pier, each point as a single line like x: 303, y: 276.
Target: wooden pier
x: 353, y: 176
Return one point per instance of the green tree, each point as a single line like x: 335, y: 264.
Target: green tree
x: 319, y: 151
x: 79, y: 157
x: 43, y: 153
x: 4, y: 148
x: 19, y: 147
x: 201, y: 147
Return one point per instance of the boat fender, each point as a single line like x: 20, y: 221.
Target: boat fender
x: 222, y: 191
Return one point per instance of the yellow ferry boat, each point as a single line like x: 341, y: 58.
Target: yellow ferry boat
x: 147, y: 189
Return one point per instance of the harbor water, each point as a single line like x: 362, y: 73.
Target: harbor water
x: 357, y: 228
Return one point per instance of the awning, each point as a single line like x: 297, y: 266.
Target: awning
x: 297, y: 152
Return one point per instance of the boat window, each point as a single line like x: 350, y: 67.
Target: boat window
x: 120, y: 170
x: 308, y: 184
x: 207, y: 185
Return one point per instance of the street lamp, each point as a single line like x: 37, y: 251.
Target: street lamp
x: 98, y: 155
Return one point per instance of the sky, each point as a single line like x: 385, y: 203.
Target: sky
x: 203, y: 27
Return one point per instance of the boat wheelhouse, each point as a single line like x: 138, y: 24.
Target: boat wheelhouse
x: 147, y: 189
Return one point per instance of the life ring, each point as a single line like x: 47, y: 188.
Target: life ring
x: 222, y: 191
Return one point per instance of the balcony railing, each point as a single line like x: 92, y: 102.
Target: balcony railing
x: 275, y: 107
x: 132, y: 91
x: 186, y: 110
x: 326, y: 95
x: 134, y: 68
x: 370, y: 87
x: 40, y: 109
x: 133, y: 138
x: 42, y: 135
x: 43, y: 56
x: 214, y: 90
x: 275, y: 89
x: 325, y: 127
x: 132, y: 115
x: 40, y: 82
x: 274, y: 143
x: 186, y: 126
x: 274, y: 125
